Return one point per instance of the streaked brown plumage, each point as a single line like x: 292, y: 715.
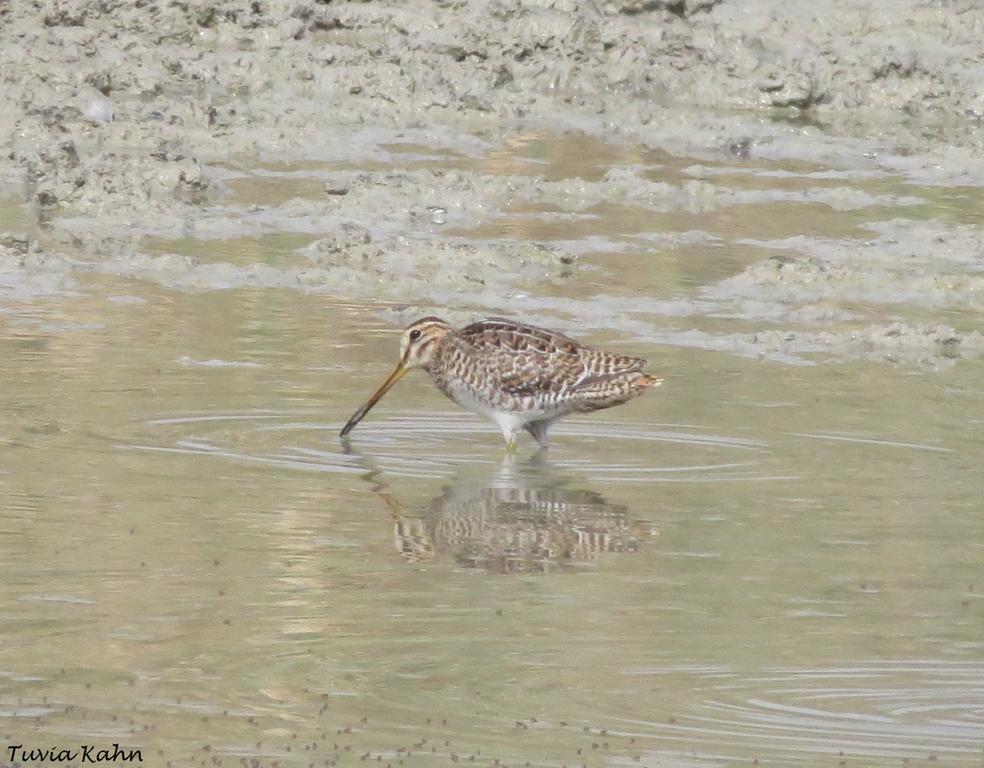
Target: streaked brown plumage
x: 519, y: 376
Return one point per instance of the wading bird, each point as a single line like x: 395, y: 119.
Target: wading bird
x: 518, y: 376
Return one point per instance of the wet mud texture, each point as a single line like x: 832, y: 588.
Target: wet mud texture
x: 170, y: 85
x: 124, y: 120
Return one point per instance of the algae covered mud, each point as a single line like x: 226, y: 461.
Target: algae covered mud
x: 218, y: 217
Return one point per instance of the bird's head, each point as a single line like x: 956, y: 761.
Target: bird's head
x: 420, y: 342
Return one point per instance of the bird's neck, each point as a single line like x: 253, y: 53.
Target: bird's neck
x: 436, y: 363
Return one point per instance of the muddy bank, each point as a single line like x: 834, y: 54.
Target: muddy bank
x: 384, y: 134
x: 107, y: 106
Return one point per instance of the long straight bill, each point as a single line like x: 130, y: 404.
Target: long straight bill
x: 394, y: 377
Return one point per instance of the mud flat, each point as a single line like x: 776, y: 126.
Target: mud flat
x: 382, y: 133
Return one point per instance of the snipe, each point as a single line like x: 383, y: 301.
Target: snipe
x: 519, y: 376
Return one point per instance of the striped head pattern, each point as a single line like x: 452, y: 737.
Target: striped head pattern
x: 421, y: 340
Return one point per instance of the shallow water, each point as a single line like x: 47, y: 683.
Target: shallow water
x: 757, y: 562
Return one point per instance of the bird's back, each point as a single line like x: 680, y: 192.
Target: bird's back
x: 519, y: 367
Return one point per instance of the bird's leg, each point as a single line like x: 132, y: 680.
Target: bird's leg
x: 538, y: 429
x: 509, y: 426
x: 511, y: 446
x: 510, y: 433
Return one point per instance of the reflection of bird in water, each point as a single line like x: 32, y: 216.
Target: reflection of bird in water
x: 521, y: 520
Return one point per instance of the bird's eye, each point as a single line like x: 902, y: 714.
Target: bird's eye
x: 414, y: 335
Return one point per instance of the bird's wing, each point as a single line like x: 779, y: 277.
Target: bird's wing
x: 527, y: 360
x: 534, y: 374
x: 499, y: 333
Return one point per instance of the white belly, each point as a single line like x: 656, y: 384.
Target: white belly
x: 464, y: 397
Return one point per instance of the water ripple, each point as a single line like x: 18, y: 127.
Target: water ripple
x: 870, y: 709
x: 428, y: 445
